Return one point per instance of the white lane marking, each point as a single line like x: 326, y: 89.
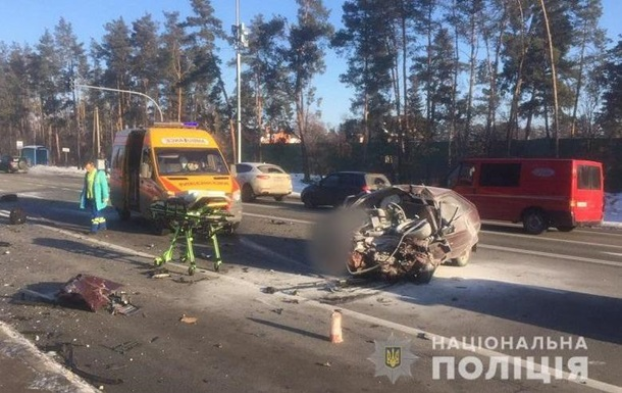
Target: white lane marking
x: 414, y: 332
x: 306, y: 222
x: 550, y: 255
x: 35, y: 195
x: 552, y: 240
x: 619, y: 254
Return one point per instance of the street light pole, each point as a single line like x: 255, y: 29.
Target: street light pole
x: 125, y: 91
x: 238, y: 79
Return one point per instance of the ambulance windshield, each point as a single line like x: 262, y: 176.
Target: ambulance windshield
x: 188, y: 162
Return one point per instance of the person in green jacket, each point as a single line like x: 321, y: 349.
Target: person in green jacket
x: 95, y: 195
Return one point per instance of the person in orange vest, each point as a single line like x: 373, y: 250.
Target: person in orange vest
x: 95, y: 195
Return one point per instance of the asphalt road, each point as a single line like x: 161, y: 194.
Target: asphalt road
x: 556, y: 287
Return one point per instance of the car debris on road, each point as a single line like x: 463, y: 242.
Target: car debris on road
x: 85, y: 291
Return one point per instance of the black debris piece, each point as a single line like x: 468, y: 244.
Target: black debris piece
x: 17, y: 216
x: 8, y: 198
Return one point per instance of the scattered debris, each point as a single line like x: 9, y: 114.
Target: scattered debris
x: 218, y: 345
x: 7, y: 252
x: 17, y: 216
x: 278, y: 222
x: 150, y: 245
x: 5, y: 244
x: 325, y: 364
x: 422, y: 336
x: 124, y: 347
x: 188, y: 320
x: 245, y: 269
x: 270, y: 290
x: 84, y: 291
x: 8, y: 198
x: 65, y: 350
x: 160, y: 275
x: 292, y: 301
x: 156, y: 338
x: 278, y: 311
x: 183, y: 280
x: 49, y: 297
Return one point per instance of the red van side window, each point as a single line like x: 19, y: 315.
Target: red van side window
x: 500, y: 175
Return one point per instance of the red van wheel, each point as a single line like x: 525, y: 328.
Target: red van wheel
x: 534, y: 222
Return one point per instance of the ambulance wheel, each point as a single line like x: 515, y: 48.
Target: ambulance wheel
x: 159, y: 228
x: 229, y: 229
x: 247, y: 193
x: 124, y: 214
x: 534, y: 222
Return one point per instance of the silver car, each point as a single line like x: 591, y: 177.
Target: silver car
x: 261, y: 179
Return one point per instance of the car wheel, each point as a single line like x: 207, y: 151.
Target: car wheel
x: 463, y: 259
x: 229, y: 230
x: 308, y: 203
x: 534, y: 222
x: 279, y: 198
x: 247, y: 193
x: 424, y: 276
x: 565, y: 228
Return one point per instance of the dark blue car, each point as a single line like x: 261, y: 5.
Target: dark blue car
x: 333, y: 189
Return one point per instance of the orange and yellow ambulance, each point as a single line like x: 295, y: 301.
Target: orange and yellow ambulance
x: 168, y: 160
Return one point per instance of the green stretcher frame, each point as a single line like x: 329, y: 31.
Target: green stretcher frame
x: 206, y: 217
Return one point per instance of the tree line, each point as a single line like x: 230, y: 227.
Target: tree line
x: 470, y: 72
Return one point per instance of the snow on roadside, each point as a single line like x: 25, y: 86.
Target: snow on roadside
x: 613, y: 202
x: 72, y: 171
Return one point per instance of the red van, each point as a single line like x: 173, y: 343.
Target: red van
x: 540, y: 193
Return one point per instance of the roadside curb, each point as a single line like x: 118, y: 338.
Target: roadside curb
x: 30, y: 369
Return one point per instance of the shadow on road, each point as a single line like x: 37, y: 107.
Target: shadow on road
x: 90, y: 250
x: 567, y: 312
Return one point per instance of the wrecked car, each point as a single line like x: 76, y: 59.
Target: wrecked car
x: 407, y: 231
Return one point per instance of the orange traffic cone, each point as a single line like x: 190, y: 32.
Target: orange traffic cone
x: 336, y: 335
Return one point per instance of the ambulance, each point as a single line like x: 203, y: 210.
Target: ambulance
x: 168, y: 160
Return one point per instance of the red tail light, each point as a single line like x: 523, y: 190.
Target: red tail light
x: 366, y: 189
x: 263, y: 177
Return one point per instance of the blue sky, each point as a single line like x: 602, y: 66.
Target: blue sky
x: 25, y: 22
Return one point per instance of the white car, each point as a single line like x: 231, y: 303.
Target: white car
x: 261, y: 179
